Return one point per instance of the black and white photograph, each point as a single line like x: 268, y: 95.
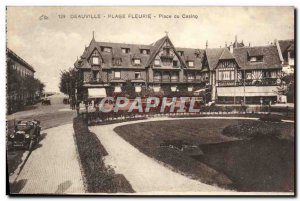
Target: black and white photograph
x: 150, y: 100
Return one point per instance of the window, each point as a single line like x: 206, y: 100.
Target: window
x: 95, y: 60
x: 174, y: 77
x: 95, y: 75
x: 156, y: 88
x: 180, y: 53
x: 173, y: 88
x: 86, y: 76
x: 190, y: 76
x: 145, y: 51
x: 226, y: 75
x: 106, y: 49
x: 118, y: 89
x: 137, y: 75
x: 125, y: 50
x: 156, y: 62
x: 117, y: 75
x: 248, y: 76
x: 191, y: 64
x: 256, y: 59
x: 232, y: 75
x: 157, y: 76
x: 175, y: 63
x: 117, y: 61
x: 190, y: 89
x: 137, y: 61
x: 166, y: 76
x: 273, y: 74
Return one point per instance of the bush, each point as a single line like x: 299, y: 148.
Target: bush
x: 253, y: 129
x: 98, y: 177
x: 270, y: 118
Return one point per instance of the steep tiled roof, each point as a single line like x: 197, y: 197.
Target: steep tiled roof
x: 285, y: 44
x: 226, y: 55
x: 190, y: 54
x: 270, y: 55
x: 213, y: 56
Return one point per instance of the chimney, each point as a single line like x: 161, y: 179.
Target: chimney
x: 235, y: 41
x: 249, y: 45
x: 206, y: 44
x: 225, y: 44
x: 231, y: 48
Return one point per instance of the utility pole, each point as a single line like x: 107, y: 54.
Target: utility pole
x: 244, y: 88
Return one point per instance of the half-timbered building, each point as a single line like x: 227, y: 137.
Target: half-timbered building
x: 229, y: 75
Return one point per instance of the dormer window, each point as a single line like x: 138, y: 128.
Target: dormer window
x: 254, y: 59
x: 95, y: 60
x: 125, y: 50
x: 180, y: 53
x: 106, y: 49
x: 175, y: 63
x: 145, y: 51
x: 117, y: 61
x: 190, y: 63
x: 137, y: 61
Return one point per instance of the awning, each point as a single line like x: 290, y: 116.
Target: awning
x: 248, y: 91
x: 97, y: 92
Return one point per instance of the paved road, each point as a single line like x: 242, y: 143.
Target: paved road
x: 50, y: 116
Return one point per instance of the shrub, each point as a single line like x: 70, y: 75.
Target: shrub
x: 98, y: 177
x: 270, y: 118
x: 253, y: 129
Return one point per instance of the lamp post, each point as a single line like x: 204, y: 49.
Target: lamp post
x: 244, y: 88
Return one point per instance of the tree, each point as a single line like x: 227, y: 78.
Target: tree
x: 69, y: 81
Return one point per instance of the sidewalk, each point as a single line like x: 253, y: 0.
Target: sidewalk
x: 53, y: 167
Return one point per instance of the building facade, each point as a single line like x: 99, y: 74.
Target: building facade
x: 288, y: 56
x: 17, y: 71
x: 230, y: 74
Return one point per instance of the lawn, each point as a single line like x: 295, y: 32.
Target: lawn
x: 198, y: 149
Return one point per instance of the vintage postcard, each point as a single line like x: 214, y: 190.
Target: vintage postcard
x: 150, y: 100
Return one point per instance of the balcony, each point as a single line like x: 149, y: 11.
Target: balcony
x: 262, y: 82
x: 250, y: 82
x: 93, y: 80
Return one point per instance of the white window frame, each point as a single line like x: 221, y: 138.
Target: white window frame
x: 190, y: 63
x: 137, y: 61
x: 117, y: 74
x: 95, y: 60
x: 137, y: 73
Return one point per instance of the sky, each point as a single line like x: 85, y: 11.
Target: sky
x: 51, y: 44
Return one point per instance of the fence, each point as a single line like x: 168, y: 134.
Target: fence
x: 96, y: 118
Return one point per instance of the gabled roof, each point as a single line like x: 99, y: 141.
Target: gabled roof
x: 158, y: 45
x: 226, y: 55
x: 285, y: 44
x: 189, y: 54
x: 271, y: 58
x: 213, y: 56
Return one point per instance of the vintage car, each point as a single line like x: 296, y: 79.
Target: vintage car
x: 26, y: 134
x: 46, y: 101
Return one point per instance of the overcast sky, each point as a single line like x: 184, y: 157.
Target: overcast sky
x: 53, y: 45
